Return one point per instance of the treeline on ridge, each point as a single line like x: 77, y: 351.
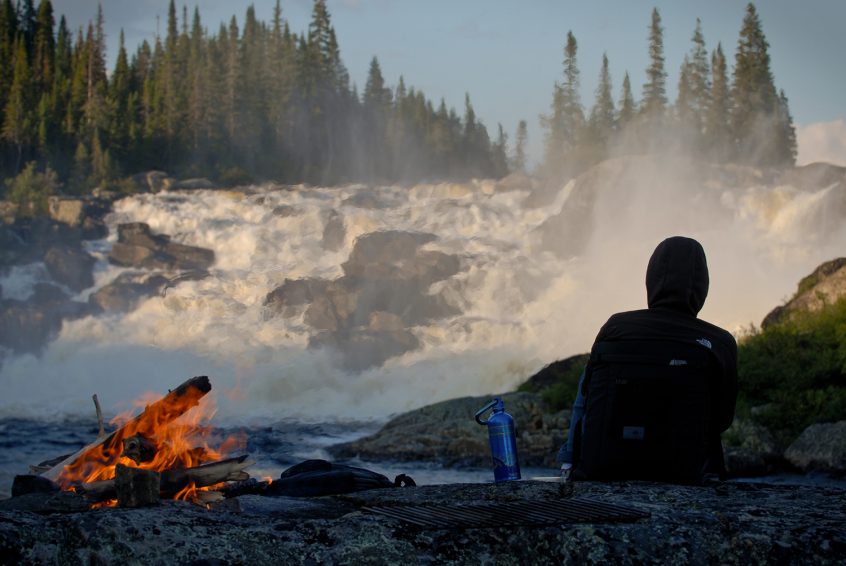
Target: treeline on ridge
x: 247, y: 103
x: 259, y: 101
x: 744, y: 121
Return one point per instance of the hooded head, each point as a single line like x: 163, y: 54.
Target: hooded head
x: 677, y: 276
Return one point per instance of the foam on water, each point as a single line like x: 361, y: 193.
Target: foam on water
x: 521, y: 307
x: 19, y: 283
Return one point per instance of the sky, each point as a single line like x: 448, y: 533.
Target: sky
x: 507, y: 54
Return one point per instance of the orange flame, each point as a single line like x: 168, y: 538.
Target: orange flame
x: 177, y: 429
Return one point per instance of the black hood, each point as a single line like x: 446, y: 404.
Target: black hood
x: 677, y: 276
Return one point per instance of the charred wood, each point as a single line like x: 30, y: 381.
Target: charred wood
x: 48, y: 464
x: 22, y: 485
x: 136, y: 487
x: 139, y: 448
x: 206, y: 475
x: 251, y: 486
x: 174, y: 480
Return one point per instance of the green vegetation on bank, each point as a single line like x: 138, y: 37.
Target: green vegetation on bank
x: 793, y: 374
x: 30, y: 190
x: 790, y: 375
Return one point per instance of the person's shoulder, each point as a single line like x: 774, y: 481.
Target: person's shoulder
x: 623, y: 322
x: 720, y: 334
x: 627, y: 316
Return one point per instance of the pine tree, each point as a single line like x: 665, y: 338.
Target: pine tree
x: 253, y: 75
x: 756, y: 104
x: 377, y: 107
x: 78, y: 90
x: 60, y: 96
x: 18, y: 120
x: 95, y: 107
x: 197, y: 88
x: 602, y: 114
x: 685, y: 113
x: 499, y: 158
x: 173, y: 74
x: 566, y: 122
x: 520, y: 141
x: 282, y: 74
x: 78, y: 181
x: 45, y: 47
x: 717, y: 131
x: 8, y: 32
x: 102, y: 167
x: 122, y: 115
x: 376, y: 95
x: 655, y: 90
x: 27, y: 23
x: 699, y: 82
x: 232, y: 95
x: 323, y: 45
x: 785, y: 142
x: 627, y: 105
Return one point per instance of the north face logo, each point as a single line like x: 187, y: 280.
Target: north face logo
x: 705, y: 342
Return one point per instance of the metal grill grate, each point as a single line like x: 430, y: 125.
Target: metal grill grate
x: 535, y: 513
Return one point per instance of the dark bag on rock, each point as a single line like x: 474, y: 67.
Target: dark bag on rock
x: 318, y: 477
x: 647, y: 413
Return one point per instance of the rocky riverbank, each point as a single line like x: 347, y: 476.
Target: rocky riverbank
x: 720, y: 523
x: 60, y: 243
x: 446, y: 434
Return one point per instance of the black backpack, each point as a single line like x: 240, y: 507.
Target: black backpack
x: 648, y: 412
x: 318, y: 477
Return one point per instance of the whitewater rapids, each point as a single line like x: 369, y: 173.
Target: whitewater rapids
x: 522, y: 304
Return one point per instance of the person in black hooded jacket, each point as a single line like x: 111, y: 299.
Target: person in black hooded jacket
x: 677, y: 285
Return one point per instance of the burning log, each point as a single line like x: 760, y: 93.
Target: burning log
x: 174, y: 481
x: 162, y: 412
x: 139, y: 448
x: 136, y: 487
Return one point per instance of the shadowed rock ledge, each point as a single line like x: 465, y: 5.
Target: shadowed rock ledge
x: 732, y: 523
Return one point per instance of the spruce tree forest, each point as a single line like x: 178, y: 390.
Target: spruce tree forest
x: 256, y: 101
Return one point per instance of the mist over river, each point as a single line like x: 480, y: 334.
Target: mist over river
x: 536, y: 272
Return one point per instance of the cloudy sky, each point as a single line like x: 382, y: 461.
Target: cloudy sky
x: 507, y: 53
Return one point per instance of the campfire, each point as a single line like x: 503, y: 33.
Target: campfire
x: 161, y: 453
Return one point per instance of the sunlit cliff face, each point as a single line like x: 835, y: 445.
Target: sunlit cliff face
x: 397, y: 297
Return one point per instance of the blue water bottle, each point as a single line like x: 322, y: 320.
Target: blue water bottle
x: 503, y: 441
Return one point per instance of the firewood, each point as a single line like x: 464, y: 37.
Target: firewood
x: 22, y: 485
x: 174, y: 480
x: 47, y: 464
x: 207, y: 474
x: 95, y: 491
x: 136, y: 487
x: 251, y: 486
x: 102, y: 431
x: 165, y: 410
x: 139, y: 448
